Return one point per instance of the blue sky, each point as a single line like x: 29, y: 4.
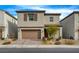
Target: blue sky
x: 63, y: 9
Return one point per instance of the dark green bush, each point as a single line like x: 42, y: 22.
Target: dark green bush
x: 6, y: 43
x: 2, y: 38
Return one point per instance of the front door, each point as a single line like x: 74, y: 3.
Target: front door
x: 45, y: 33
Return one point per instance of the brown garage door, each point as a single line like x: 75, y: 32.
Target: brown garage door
x: 31, y: 34
x: 0, y: 34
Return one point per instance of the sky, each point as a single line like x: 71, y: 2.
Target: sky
x: 63, y: 9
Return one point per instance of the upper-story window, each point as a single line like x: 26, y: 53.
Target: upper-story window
x: 32, y: 17
x: 25, y: 17
x: 51, y: 19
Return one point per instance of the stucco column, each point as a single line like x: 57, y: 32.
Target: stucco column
x: 76, y: 36
x: 3, y: 33
x: 42, y: 33
x: 19, y: 34
x: 60, y: 32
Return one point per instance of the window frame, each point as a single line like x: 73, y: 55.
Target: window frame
x: 25, y: 16
x: 33, y: 16
x: 51, y: 19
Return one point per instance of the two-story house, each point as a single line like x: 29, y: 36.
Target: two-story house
x: 31, y: 24
x: 8, y: 25
x: 71, y: 26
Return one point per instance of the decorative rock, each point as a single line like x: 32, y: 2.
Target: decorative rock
x: 57, y: 43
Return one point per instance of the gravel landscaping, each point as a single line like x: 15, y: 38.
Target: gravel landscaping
x: 36, y: 42
x: 40, y: 42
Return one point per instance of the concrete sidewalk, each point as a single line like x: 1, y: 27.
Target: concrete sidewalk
x: 39, y: 46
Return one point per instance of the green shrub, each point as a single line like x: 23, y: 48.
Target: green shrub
x: 2, y: 38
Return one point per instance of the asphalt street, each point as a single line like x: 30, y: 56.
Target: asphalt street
x: 39, y: 50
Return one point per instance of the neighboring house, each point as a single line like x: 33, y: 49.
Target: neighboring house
x: 31, y: 24
x: 71, y: 26
x: 8, y: 27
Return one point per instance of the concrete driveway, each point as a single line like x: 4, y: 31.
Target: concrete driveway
x: 27, y: 42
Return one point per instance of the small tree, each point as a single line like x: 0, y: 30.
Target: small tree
x: 52, y: 30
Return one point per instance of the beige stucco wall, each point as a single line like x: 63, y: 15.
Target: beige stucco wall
x: 22, y: 23
x: 41, y: 21
x: 71, y: 26
x: 9, y: 23
x: 76, y: 26
x: 2, y: 18
x: 68, y: 26
x: 11, y: 26
x: 55, y: 19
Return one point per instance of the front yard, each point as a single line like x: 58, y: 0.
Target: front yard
x: 62, y: 42
x: 39, y: 42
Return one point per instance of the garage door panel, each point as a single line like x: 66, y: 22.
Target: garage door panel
x: 31, y: 34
